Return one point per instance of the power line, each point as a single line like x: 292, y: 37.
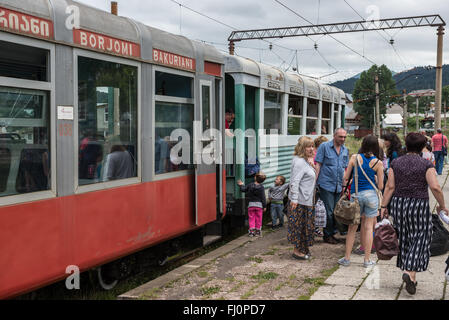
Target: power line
x: 363, y: 56
x: 222, y: 23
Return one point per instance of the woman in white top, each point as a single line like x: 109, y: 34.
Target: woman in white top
x: 300, y: 209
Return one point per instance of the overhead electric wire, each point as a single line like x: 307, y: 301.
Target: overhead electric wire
x: 391, y: 36
x: 222, y: 23
x: 363, y: 56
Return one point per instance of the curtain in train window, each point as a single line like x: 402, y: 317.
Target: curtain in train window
x: 107, y: 121
x: 24, y: 141
x: 272, y: 112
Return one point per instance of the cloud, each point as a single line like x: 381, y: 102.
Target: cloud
x: 414, y: 46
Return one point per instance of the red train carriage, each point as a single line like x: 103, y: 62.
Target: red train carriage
x: 89, y: 166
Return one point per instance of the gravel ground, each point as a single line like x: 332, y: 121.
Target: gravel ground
x: 262, y: 269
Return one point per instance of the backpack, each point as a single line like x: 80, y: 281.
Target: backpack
x: 440, y: 237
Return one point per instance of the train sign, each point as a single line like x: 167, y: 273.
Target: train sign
x: 23, y: 23
x: 174, y: 60
x: 104, y: 43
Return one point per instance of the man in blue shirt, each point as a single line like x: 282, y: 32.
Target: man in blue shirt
x: 332, y: 158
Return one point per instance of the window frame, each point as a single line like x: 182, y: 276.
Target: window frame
x: 48, y: 86
x: 115, y: 183
x: 329, y: 120
x: 300, y: 116
x: 206, y: 83
x: 163, y: 98
x: 311, y: 117
x: 280, y: 94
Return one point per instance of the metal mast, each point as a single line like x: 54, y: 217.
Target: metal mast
x: 357, y: 26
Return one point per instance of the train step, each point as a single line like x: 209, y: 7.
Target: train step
x: 209, y: 239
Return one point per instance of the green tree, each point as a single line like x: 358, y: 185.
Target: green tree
x: 364, y: 93
x: 445, y: 97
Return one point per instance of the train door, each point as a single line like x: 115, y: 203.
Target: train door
x: 205, y: 155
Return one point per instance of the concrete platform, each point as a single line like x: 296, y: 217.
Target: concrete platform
x: 263, y: 269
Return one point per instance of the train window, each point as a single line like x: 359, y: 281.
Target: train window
x: 312, y: 117
x: 294, y: 115
x: 272, y: 112
x: 205, y: 107
x: 170, y: 116
x: 23, y: 62
x: 335, y: 117
x: 24, y: 141
x: 5, y: 164
x: 107, y: 121
x: 326, y: 118
x: 173, y: 85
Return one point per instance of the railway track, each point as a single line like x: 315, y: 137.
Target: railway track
x: 94, y: 287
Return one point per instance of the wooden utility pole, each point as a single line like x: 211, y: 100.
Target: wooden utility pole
x: 405, y: 115
x: 377, y: 119
x: 439, y: 76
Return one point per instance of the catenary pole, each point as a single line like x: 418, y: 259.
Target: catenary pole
x: 439, y: 76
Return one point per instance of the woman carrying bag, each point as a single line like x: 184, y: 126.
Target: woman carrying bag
x: 368, y: 167
x: 407, y: 198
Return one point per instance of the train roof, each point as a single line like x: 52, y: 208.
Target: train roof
x: 250, y: 72
x: 96, y: 21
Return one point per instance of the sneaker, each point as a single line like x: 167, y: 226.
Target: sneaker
x: 344, y: 262
x: 369, y: 263
x: 251, y: 233
x: 258, y: 233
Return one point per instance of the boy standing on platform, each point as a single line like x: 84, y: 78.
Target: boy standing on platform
x: 276, y: 196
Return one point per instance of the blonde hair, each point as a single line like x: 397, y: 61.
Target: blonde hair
x: 319, y: 141
x: 300, y: 148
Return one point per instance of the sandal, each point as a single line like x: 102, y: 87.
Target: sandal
x: 410, y: 286
x: 304, y: 257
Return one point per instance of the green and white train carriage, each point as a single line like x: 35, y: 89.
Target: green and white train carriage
x: 279, y: 107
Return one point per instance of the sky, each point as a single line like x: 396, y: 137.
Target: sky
x: 331, y: 61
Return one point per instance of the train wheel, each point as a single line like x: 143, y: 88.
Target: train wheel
x: 105, y: 280
x: 162, y: 260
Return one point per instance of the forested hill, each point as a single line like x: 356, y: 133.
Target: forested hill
x: 425, y: 80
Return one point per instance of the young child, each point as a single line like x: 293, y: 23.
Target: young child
x: 255, y: 192
x: 276, y: 196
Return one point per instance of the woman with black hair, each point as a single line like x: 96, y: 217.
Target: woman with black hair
x: 368, y: 167
x: 394, y: 147
x: 409, y: 179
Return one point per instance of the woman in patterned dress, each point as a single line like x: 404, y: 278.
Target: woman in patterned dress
x: 407, y: 188
x: 300, y: 208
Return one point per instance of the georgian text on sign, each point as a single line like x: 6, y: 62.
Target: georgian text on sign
x: 24, y: 23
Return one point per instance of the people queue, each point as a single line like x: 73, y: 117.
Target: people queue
x: 323, y: 169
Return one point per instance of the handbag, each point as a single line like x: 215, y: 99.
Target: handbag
x: 385, y: 240
x: 346, y: 211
